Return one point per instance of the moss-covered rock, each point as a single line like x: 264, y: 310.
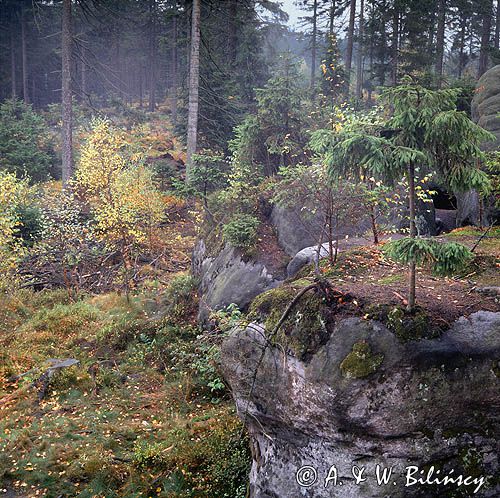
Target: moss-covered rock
x: 360, y: 362
x: 407, y: 326
x: 305, y: 329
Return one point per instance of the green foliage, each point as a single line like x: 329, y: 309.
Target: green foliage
x: 15, y: 197
x: 275, y: 135
x: 30, y: 224
x: 25, y: 146
x: 492, y: 167
x: 212, y: 460
x: 444, y: 258
x: 333, y: 72
x: 209, y: 173
x: 178, y: 299
x: 241, y: 231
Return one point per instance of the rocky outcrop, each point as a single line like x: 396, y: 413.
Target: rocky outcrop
x: 486, y: 112
x: 228, y: 278
x: 365, y: 399
x: 486, y: 105
x: 296, y: 228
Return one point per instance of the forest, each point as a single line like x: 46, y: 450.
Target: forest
x: 249, y: 248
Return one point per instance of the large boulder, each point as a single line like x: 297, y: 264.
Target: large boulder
x: 486, y: 105
x: 425, y: 409
x: 306, y: 256
x: 296, y: 228
x: 228, y: 277
x: 486, y: 112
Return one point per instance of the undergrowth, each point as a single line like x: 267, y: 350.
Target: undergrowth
x: 144, y: 413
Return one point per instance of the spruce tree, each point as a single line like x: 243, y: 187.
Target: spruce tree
x: 425, y: 133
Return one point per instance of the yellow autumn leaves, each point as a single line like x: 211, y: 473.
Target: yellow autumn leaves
x: 118, y: 187
x: 14, y: 193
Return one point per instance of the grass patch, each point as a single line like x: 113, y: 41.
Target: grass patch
x: 138, y: 416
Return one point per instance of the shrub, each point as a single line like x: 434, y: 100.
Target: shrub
x: 30, y: 224
x: 213, y: 458
x: 241, y: 231
x: 24, y: 147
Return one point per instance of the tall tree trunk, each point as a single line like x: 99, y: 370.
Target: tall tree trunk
x: 359, y: 68
x: 331, y: 23
x: 232, y: 39
x: 440, y: 41
x: 461, y: 51
x: 152, y: 55
x: 13, y: 80
x: 67, y: 111
x: 395, y: 44
x: 140, y: 77
x: 485, y: 39
x: 314, y: 43
x: 84, y: 83
x: 496, y: 42
x: 26, y: 95
x: 175, y: 69
x: 194, y: 82
x: 413, y: 234
x: 350, y: 42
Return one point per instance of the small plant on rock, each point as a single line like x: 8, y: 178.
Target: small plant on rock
x: 241, y: 231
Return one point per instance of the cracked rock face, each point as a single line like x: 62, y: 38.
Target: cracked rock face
x: 416, y: 404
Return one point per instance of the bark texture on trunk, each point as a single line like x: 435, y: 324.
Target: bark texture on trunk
x: 485, y: 39
x: 314, y: 43
x: 331, y: 24
x: 440, y: 41
x: 461, y: 54
x: 152, y: 55
x: 395, y: 45
x: 194, y: 82
x: 359, y: 68
x: 175, y: 64
x: 13, y: 69
x: 67, y: 111
x: 232, y: 39
x: 496, y: 42
x: 350, y: 42
x: 84, y: 78
x: 413, y: 234
x: 24, y: 51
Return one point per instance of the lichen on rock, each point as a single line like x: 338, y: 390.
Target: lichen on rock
x: 304, y: 330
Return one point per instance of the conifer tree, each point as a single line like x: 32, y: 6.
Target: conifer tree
x: 424, y: 133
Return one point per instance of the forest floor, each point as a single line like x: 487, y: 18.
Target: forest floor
x: 144, y: 413
x: 363, y: 273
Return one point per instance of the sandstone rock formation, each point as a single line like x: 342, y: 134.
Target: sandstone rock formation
x: 486, y: 112
x: 486, y: 105
x: 365, y: 399
x: 228, y: 278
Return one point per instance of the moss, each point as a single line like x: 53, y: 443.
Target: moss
x: 360, y: 362
x: 306, y: 327
x: 452, y: 432
x: 472, y: 462
x: 407, y: 326
x: 391, y: 279
x: 495, y: 368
